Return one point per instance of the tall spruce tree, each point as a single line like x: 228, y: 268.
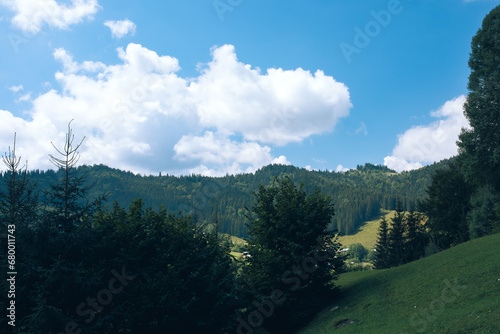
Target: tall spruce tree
x: 415, y: 238
x: 396, y: 237
x: 18, y: 213
x: 19, y: 201
x: 382, y: 246
x: 67, y: 198
x: 479, y: 146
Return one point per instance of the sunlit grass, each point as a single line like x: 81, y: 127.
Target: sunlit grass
x: 367, y: 233
x: 417, y: 298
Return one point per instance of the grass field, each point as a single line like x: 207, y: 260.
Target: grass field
x: 239, y: 242
x: 367, y: 234
x: 456, y: 291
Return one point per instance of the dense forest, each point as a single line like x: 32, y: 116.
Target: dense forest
x: 358, y: 194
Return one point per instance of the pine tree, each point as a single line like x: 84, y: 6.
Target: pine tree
x: 382, y: 246
x: 67, y: 198
x: 18, y: 214
x: 396, y: 237
x: 414, y: 237
x: 19, y: 202
x: 479, y: 146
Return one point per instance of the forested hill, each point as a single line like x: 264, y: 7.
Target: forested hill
x: 357, y: 194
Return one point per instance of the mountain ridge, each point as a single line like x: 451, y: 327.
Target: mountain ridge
x: 357, y: 194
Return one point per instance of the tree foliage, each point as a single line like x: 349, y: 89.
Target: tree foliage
x: 357, y: 251
x: 19, y: 199
x: 405, y: 240
x: 357, y: 195
x: 382, y: 246
x: 480, y: 145
x: 447, y: 205
x: 67, y: 197
x: 396, y: 237
x: 464, y: 200
x: 291, y: 251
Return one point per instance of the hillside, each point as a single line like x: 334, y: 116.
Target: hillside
x: 358, y: 194
x: 367, y: 232
x: 455, y: 291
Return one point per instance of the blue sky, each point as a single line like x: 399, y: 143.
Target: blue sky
x: 216, y: 87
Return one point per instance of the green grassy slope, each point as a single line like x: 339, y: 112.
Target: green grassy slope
x: 237, y: 241
x: 455, y: 291
x: 367, y: 233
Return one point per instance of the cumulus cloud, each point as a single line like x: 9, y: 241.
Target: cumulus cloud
x: 213, y: 149
x: 121, y: 28
x: 426, y: 144
x: 281, y: 160
x: 276, y: 107
x: 31, y: 15
x: 341, y: 169
x: 140, y: 115
x: 399, y: 164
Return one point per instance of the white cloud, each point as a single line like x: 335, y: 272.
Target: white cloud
x: 31, y: 15
x: 121, y: 28
x: 140, y: 115
x: 24, y: 98
x: 281, y: 160
x: 214, y: 149
x: 276, y: 107
x: 400, y: 165
x: 426, y: 144
x: 341, y: 169
x: 16, y: 89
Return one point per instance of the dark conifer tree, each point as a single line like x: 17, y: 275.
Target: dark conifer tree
x: 396, y: 237
x: 480, y: 145
x: 18, y: 214
x: 382, y: 246
x: 447, y: 205
x: 19, y: 201
x: 415, y: 239
x: 67, y: 199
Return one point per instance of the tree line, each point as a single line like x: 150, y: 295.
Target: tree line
x: 403, y: 240
x: 358, y: 195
